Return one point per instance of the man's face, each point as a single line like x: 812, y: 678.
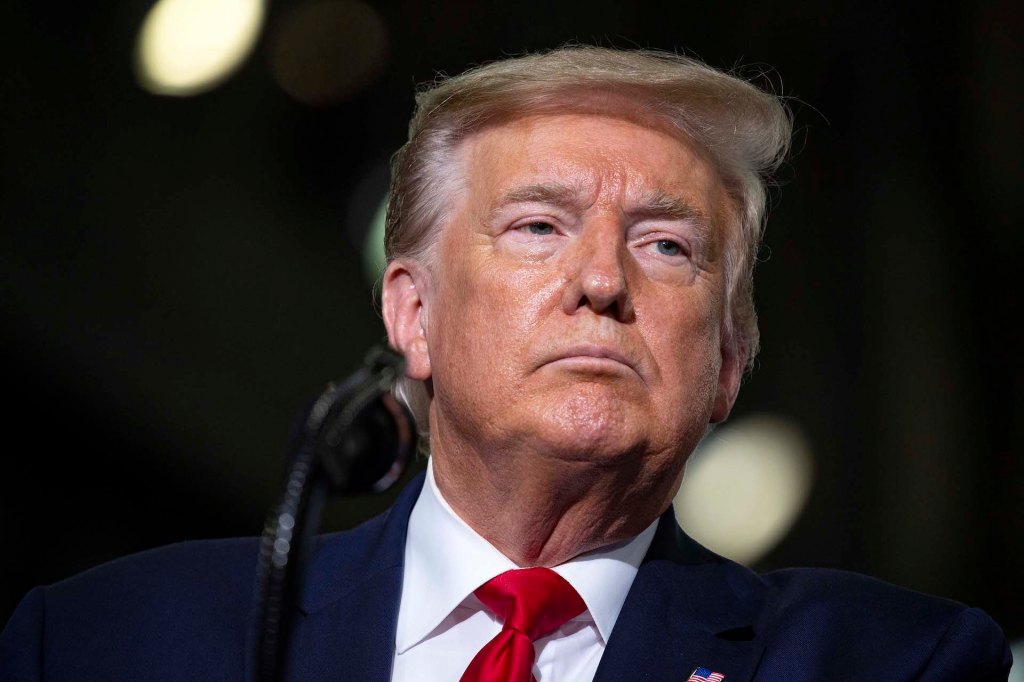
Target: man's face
x: 576, y: 296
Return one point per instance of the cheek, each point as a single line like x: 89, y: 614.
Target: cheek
x: 684, y: 338
x: 491, y: 316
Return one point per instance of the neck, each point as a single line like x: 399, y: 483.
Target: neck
x: 543, y: 510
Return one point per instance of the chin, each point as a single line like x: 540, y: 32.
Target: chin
x: 593, y: 428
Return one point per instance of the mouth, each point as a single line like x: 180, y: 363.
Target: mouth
x: 593, y: 356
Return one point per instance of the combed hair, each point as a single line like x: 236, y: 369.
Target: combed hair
x: 744, y: 131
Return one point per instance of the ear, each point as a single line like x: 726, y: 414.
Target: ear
x: 730, y: 375
x: 403, y: 299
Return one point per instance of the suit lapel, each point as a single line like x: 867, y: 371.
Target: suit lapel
x: 687, y: 608
x: 345, y: 627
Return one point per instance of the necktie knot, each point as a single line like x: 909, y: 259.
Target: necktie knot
x: 532, y: 603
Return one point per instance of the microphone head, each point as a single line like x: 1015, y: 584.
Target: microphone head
x: 366, y: 437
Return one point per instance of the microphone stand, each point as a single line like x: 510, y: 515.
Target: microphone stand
x: 354, y: 438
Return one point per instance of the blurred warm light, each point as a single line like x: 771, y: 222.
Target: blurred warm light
x: 745, y: 486
x: 324, y: 51
x: 189, y: 46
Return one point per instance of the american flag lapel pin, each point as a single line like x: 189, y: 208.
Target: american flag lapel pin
x: 705, y: 675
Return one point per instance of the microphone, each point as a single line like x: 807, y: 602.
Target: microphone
x: 356, y: 437
x: 365, y: 438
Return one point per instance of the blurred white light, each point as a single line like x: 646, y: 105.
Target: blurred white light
x: 1017, y: 670
x: 745, y: 486
x: 188, y: 46
x: 373, y: 247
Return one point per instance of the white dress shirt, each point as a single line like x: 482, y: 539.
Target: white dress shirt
x: 442, y: 625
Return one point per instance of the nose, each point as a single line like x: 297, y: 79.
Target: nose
x: 597, y: 276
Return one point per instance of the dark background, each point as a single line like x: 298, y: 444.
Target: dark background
x: 179, y: 275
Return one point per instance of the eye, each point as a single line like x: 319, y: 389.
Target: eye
x: 667, y: 247
x: 540, y: 229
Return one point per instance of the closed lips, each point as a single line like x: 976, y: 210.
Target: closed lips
x: 594, y: 351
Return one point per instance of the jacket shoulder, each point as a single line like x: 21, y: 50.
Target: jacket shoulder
x: 181, y: 611
x: 844, y: 590
x: 183, y: 607
x: 848, y: 619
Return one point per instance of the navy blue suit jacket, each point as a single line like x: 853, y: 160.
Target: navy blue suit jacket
x: 181, y: 613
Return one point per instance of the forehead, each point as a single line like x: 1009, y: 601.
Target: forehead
x: 599, y: 157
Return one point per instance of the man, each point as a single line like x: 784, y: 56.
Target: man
x: 570, y: 243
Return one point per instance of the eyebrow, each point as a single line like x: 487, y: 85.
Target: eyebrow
x: 658, y: 205
x: 652, y: 205
x: 556, y: 194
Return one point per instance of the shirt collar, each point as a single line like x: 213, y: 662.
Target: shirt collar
x: 446, y: 560
x: 603, y: 576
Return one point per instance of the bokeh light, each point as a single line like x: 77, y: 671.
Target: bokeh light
x: 188, y: 46
x: 324, y: 51
x: 745, y: 486
x: 373, y: 248
x: 1017, y: 671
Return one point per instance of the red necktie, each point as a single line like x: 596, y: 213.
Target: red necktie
x: 533, y: 602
